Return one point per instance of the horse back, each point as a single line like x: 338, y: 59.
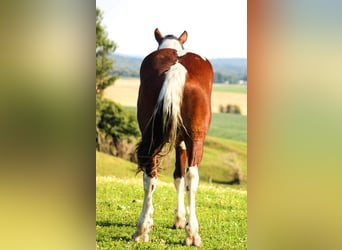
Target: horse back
x: 197, y: 89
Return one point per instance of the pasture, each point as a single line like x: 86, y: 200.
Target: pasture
x: 125, y: 91
x: 220, y: 159
x: 221, y: 213
x: 221, y: 208
x: 232, y: 88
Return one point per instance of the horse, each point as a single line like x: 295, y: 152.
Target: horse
x: 173, y: 111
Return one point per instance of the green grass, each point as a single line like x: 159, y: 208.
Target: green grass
x: 221, y: 213
x: 233, y: 88
x: 228, y: 126
x: 215, y: 162
x: 107, y: 165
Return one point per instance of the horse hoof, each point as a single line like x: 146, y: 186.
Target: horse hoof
x: 178, y: 226
x: 140, y: 237
x: 194, y: 241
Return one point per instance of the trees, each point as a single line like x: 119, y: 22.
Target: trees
x: 104, y: 64
x: 116, y: 128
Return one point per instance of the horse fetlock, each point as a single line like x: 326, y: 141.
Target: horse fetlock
x: 194, y: 240
x: 179, y: 222
x: 190, y: 231
x: 192, y: 236
x: 141, y: 234
x: 138, y: 236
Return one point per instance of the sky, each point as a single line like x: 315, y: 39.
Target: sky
x: 216, y: 28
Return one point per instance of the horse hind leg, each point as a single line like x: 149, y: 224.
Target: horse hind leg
x: 145, y: 221
x: 191, y: 182
x: 181, y: 158
x: 191, y: 228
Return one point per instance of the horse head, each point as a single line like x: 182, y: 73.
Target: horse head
x: 170, y: 41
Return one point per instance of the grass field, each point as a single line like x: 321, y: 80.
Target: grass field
x: 125, y: 91
x: 228, y: 126
x: 221, y: 212
x: 221, y: 209
x: 232, y: 88
x: 215, y: 165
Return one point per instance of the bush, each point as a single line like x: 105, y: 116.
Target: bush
x: 230, y: 108
x: 116, y: 129
x: 234, y: 168
x: 222, y: 109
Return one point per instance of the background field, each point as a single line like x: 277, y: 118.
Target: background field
x: 221, y: 208
x: 125, y: 91
x: 232, y: 88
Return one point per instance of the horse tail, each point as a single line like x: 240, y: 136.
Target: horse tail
x: 166, y: 117
x: 170, y: 100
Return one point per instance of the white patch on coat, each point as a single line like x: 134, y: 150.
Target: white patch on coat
x: 183, y: 52
x: 171, y: 44
x: 182, y: 145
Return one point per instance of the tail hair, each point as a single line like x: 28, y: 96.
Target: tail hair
x: 166, y: 117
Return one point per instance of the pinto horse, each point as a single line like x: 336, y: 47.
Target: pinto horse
x: 174, y: 109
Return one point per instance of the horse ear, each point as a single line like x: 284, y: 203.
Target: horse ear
x: 182, y: 38
x: 159, y: 37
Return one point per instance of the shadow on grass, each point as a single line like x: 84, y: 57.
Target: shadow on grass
x: 232, y: 182
x: 121, y: 238
x: 119, y: 235
x: 113, y: 224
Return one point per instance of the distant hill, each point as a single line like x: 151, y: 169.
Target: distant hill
x: 229, y: 69
x: 226, y: 69
x: 127, y: 65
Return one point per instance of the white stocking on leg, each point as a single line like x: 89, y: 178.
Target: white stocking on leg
x: 145, y: 221
x: 191, y: 228
x: 180, y: 209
